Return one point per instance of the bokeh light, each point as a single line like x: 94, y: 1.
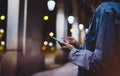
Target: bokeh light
x: 46, y: 18
x: 2, y: 42
x: 1, y: 30
x: 1, y: 35
x: 51, y: 5
x: 43, y: 48
x: 81, y: 26
x: 50, y: 44
x: 2, y: 17
x: 86, y: 30
x: 45, y: 43
x: 71, y: 19
x: 52, y: 48
x: 51, y: 34
x: 1, y: 48
x: 71, y: 30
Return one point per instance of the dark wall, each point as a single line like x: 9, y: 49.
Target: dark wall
x: 33, y: 60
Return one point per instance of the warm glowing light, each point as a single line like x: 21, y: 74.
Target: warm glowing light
x: 50, y: 44
x: 51, y: 34
x: 2, y: 43
x: 52, y: 48
x: 70, y: 19
x: 46, y: 18
x: 71, y: 30
x: 45, y: 43
x: 2, y: 17
x: 1, y: 35
x: 1, y: 30
x: 43, y: 48
x: 51, y: 5
x: 1, y: 48
x: 81, y: 26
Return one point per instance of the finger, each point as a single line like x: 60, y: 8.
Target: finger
x: 64, y: 47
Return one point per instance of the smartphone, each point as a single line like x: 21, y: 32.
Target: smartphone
x: 61, y: 44
x: 56, y: 39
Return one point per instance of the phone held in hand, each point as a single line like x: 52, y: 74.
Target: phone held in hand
x: 56, y: 39
x: 64, y: 49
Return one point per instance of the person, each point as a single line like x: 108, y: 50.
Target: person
x: 100, y: 54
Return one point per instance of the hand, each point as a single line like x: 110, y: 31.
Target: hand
x: 67, y: 46
x: 72, y: 41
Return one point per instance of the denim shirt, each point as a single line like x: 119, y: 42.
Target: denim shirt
x: 100, y: 41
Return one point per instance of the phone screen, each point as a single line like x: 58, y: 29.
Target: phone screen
x: 55, y: 39
x: 61, y: 44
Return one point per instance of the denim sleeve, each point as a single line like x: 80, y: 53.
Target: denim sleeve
x: 83, y: 58
x: 80, y: 57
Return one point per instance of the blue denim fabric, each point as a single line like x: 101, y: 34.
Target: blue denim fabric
x: 101, y: 42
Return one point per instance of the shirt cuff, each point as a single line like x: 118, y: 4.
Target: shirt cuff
x: 73, y: 51
x: 80, y: 58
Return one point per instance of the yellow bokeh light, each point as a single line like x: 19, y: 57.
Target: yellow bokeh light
x: 46, y: 18
x: 52, y: 48
x: 71, y: 30
x: 51, y: 34
x: 1, y: 48
x: 2, y: 17
x: 43, y: 48
x: 1, y: 35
